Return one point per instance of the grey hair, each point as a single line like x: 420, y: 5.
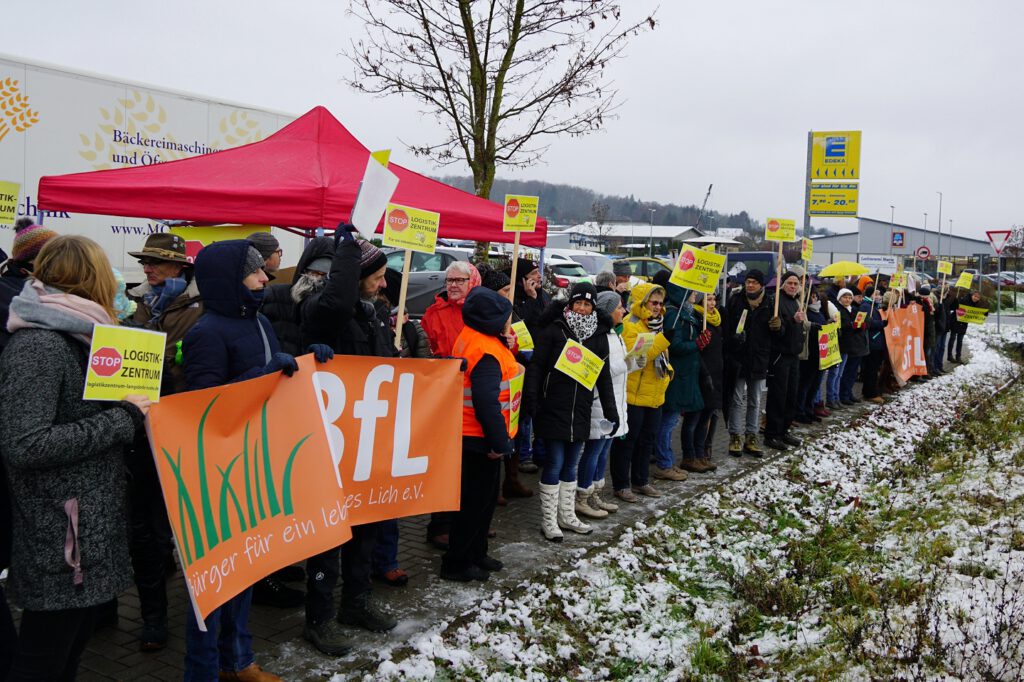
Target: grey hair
x: 460, y: 266
x: 605, y: 278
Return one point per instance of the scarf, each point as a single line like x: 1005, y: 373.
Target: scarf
x: 160, y: 296
x: 41, y: 307
x: 583, y: 326
x: 816, y: 306
x: 714, y: 319
x: 756, y: 300
x: 656, y: 324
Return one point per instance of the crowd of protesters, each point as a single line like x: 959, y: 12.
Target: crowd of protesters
x: 82, y: 517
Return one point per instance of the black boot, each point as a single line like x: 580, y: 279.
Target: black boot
x: 361, y: 610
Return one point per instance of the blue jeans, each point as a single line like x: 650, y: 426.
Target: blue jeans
x: 594, y: 461
x: 663, y: 455
x: 850, y: 370
x: 560, y: 461
x: 385, y: 554
x: 835, y: 374
x: 226, y: 645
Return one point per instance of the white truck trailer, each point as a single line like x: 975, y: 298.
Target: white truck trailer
x: 54, y: 121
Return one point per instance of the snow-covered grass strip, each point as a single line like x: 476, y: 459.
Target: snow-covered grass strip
x: 890, y: 546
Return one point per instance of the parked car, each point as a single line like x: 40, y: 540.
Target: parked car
x: 737, y: 263
x: 566, y: 271
x: 646, y: 268
x: 592, y: 261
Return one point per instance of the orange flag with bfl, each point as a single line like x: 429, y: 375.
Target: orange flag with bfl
x: 261, y: 474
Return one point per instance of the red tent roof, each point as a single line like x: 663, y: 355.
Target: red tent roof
x: 305, y: 175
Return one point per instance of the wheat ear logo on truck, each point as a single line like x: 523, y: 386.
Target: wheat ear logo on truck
x: 15, y: 113
x: 134, y: 132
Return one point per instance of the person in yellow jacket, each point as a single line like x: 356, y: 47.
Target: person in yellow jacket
x: 645, y: 392
x: 492, y: 391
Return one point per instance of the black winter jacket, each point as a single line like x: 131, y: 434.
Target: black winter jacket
x: 789, y: 340
x: 751, y: 349
x: 278, y: 305
x: 11, y: 285
x: 852, y: 342
x: 232, y: 341
x: 337, y: 316
x: 561, y: 406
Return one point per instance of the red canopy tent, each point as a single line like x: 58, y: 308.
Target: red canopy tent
x: 305, y: 175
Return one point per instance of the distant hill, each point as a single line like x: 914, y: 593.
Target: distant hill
x: 570, y: 205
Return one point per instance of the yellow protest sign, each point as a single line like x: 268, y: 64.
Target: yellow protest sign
x: 411, y: 228
x: 945, y: 267
x: 971, y: 315
x: 9, y: 195
x: 515, y: 391
x: 579, y: 363
x: 523, y: 336
x: 643, y: 343
x: 965, y: 281
x: 780, y: 230
x: 742, y: 324
x: 834, y: 199
x: 806, y: 249
x: 858, y: 321
x: 828, y: 346
x: 124, y: 361
x: 835, y: 154
x: 520, y: 213
x: 898, y: 281
x: 198, y: 237
x: 697, y: 269
x: 709, y: 247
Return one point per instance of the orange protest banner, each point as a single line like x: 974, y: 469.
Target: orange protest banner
x: 904, y: 339
x: 261, y: 474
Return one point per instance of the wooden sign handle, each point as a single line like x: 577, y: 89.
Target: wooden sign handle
x: 402, y: 291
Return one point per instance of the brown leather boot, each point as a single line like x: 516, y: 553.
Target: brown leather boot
x: 512, y: 487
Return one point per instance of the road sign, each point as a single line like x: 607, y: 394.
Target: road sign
x: 835, y: 154
x: 998, y: 239
x: 923, y: 253
x: 836, y: 199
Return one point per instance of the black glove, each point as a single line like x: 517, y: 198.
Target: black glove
x: 615, y: 428
x: 321, y: 351
x: 344, y: 232
x: 281, y: 362
x: 669, y: 333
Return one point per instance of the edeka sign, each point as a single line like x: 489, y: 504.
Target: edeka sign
x: 904, y: 339
x: 267, y: 472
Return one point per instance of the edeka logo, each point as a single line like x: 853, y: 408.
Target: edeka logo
x: 823, y: 346
x: 398, y: 220
x: 512, y: 209
x: 835, y: 148
x: 106, y: 362
x: 686, y: 260
x: 573, y: 354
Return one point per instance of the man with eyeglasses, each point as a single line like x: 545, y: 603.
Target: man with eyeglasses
x: 168, y: 301
x: 270, y: 249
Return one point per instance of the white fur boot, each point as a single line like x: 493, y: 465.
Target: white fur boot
x: 567, y: 509
x: 549, y: 512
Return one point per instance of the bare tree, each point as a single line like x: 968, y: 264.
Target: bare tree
x: 502, y: 76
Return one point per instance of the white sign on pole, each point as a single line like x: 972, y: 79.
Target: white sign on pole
x: 998, y: 239
x: 886, y: 265
x: 375, y: 193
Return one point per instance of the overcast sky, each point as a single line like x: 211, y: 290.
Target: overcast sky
x: 721, y: 92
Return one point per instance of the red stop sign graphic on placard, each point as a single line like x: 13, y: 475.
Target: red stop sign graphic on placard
x: 106, y: 362
x: 686, y: 260
x: 192, y: 249
x: 823, y: 345
x: 773, y: 225
x: 516, y: 399
x: 512, y: 208
x: 960, y: 312
x: 574, y: 355
x: 398, y: 220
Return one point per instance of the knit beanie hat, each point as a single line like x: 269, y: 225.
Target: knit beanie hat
x: 495, y: 280
x: 843, y: 292
x: 756, y: 275
x: 786, y: 275
x: 371, y: 260
x: 608, y: 301
x: 524, y: 266
x: 322, y: 264
x: 583, y: 291
x: 253, y: 261
x: 622, y: 268
x: 264, y: 242
x: 661, y: 278
x: 28, y: 240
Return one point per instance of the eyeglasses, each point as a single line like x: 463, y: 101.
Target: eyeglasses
x: 149, y: 262
x: 280, y: 252
x: 657, y: 304
x: 456, y: 280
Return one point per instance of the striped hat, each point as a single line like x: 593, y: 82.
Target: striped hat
x: 28, y: 240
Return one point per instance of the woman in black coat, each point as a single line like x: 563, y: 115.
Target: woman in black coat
x: 560, y: 406
x: 712, y: 370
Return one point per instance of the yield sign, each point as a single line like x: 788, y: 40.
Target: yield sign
x: 998, y: 239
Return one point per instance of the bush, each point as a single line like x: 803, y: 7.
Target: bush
x: 1006, y: 301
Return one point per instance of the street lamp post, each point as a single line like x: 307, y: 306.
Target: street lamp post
x: 940, y: 225
x: 650, y: 245
x: 892, y: 216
